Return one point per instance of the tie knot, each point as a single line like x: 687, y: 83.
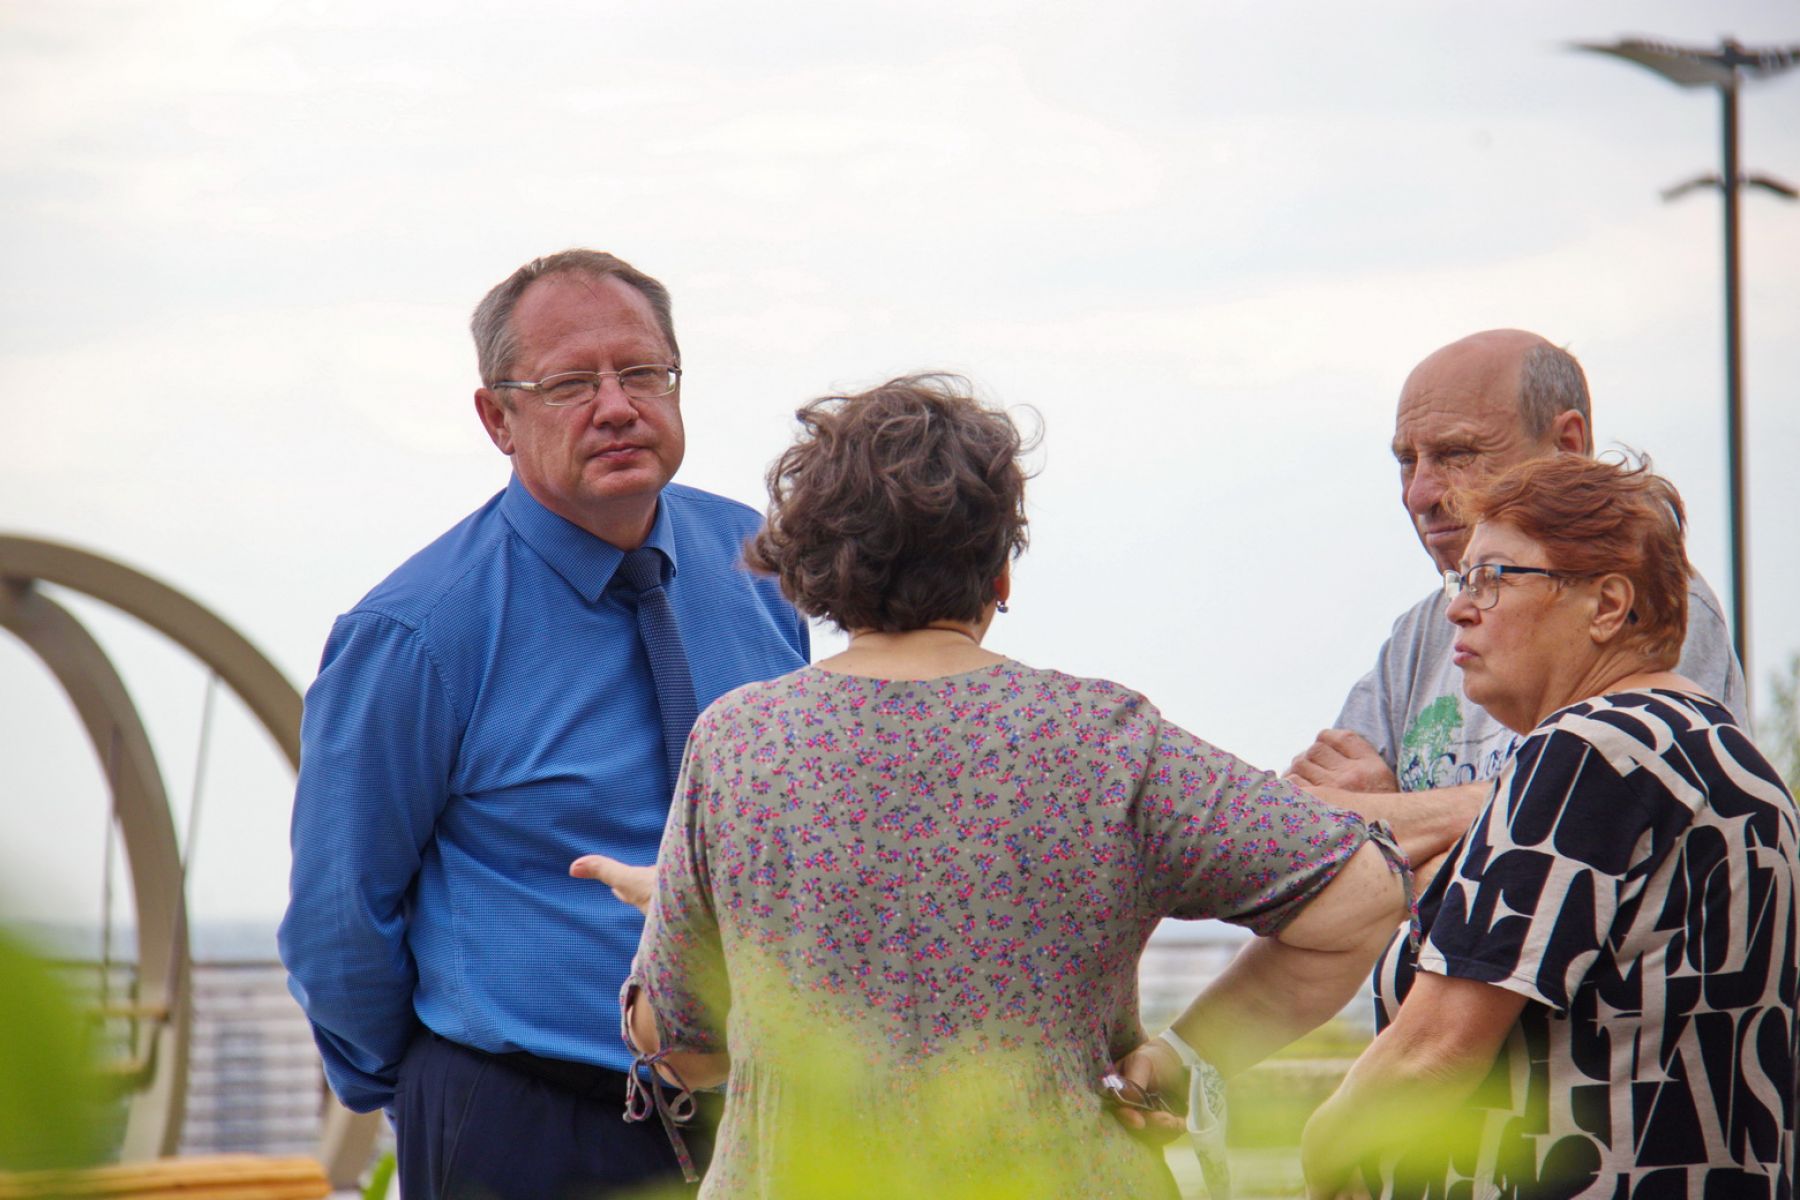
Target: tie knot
x: 642, y: 569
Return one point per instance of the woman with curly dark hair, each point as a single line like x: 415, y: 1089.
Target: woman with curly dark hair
x: 902, y: 892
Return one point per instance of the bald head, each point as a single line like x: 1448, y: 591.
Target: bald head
x: 1475, y: 407
x: 1543, y: 379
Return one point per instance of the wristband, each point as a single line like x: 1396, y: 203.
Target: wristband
x: 1205, y: 1115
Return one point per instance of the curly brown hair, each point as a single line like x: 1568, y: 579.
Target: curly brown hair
x: 1594, y: 517
x: 896, y: 507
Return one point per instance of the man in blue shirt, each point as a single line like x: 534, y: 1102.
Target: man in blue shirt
x: 513, y: 696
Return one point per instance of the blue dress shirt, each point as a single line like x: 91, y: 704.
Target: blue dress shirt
x: 483, y: 717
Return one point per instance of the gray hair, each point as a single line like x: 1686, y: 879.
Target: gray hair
x: 495, y: 341
x: 1551, y: 383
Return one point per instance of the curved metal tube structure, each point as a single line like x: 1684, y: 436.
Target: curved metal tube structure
x: 145, y: 822
x: 160, y: 1044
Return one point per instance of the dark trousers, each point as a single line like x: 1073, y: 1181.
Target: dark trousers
x: 475, y: 1126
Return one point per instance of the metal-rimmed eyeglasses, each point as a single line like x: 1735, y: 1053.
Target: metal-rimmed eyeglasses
x: 1482, y: 581
x: 566, y: 389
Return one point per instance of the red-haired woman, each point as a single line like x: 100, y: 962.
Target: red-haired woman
x: 1603, y: 1003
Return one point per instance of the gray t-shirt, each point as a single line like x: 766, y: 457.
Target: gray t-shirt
x: 1411, y: 707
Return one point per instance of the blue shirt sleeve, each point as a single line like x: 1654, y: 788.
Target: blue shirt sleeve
x: 378, y: 741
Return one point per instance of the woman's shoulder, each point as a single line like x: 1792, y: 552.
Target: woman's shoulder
x: 1091, y: 699
x: 1038, y: 693
x: 1620, y: 733
x: 1656, y: 716
x: 796, y: 687
x: 1079, y: 687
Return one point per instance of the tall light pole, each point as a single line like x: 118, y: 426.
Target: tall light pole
x: 1723, y: 67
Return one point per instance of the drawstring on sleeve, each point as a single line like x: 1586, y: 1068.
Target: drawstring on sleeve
x: 646, y: 1092
x: 1383, y: 838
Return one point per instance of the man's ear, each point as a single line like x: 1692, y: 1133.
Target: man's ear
x: 495, y: 418
x: 1569, y: 433
x: 1612, y: 608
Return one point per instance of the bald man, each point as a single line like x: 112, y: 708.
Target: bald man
x: 1419, y: 754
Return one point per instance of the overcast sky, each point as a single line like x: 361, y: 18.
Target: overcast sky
x: 1205, y: 242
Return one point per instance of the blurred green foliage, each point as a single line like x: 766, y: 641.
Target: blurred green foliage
x: 381, y: 1177
x: 1271, y: 1102
x: 974, y: 1121
x: 844, y: 1102
x: 1780, y: 733
x: 52, y: 1109
x: 956, y: 1129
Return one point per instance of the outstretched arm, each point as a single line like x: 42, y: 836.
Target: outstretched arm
x: 1439, y: 1048
x: 1426, y: 824
x: 1279, y: 987
x: 635, y: 886
x: 1343, y: 769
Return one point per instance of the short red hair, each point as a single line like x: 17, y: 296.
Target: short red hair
x: 1601, y: 518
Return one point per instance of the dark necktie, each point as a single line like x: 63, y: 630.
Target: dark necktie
x: 642, y: 572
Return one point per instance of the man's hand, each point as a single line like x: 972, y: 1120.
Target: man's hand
x: 1341, y: 759
x: 633, y: 885
x: 1153, y: 1067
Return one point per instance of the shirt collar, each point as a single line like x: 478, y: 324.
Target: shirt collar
x: 585, y: 561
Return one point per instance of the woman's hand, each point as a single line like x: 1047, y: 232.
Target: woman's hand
x: 1328, y: 1176
x: 632, y: 885
x: 1410, y: 1087
x: 1155, y: 1068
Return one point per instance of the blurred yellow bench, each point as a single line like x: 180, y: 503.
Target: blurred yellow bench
x: 207, y: 1177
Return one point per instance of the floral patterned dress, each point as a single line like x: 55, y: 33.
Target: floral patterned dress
x: 911, y: 912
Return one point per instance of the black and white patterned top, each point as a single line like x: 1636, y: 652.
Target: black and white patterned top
x: 1633, y: 876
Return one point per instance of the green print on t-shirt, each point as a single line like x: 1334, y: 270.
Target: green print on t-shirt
x: 1425, y: 757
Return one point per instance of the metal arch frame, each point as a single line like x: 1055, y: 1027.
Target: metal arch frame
x: 160, y: 1037
x: 145, y: 821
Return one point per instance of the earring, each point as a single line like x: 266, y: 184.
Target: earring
x: 1000, y: 606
